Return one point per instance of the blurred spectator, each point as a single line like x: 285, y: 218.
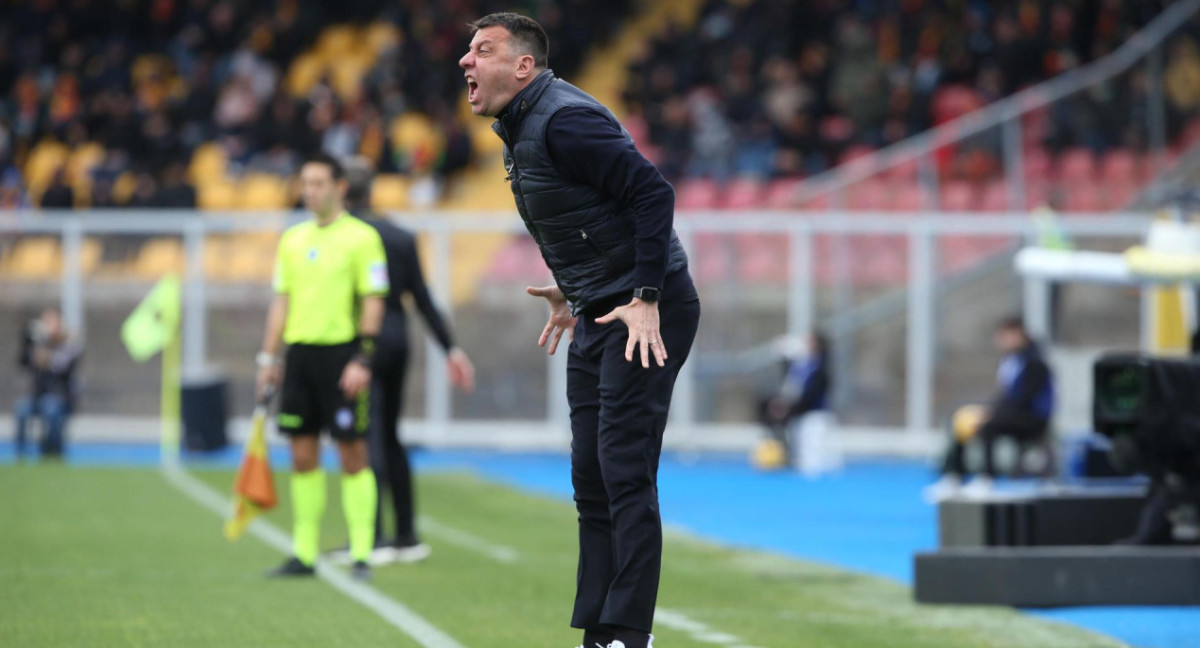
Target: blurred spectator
x: 12, y: 193
x: 58, y: 195
x: 830, y: 76
x: 49, y: 356
x: 175, y: 192
x: 804, y: 388
x: 145, y: 192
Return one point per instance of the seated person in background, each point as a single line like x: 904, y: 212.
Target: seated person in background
x: 1021, y: 410
x: 805, y: 388
x: 49, y: 356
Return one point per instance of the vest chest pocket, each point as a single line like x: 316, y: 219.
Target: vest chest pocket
x: 608, y: 265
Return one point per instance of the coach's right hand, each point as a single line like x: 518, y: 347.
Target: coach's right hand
x: 560, y: 316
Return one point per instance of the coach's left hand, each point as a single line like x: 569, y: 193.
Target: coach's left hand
x: 355, y: 378
x: 642, y: 320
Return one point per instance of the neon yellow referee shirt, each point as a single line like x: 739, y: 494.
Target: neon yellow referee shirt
x: 325, y: 271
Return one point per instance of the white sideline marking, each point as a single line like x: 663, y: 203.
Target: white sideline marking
x: 389, y: 609
x: 700, y: 632
x: 468, y: 541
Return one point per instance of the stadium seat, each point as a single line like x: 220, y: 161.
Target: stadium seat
x: 1077, y: 164
x: 337, y: 41
x: 995, y: 196
x: 745, y: 194
x: 781, y: 194
x: 159, y: 257
x: 957, y: 195
x: 217, y: 195
x: 34, y: 258
x: 710, y: 257
x: 1084, y: 196
x: 1037, y: 165
x: 262, y: 192
x: 417, y: 138
x: 696, y: 193
x: 389, y: 191
x: 381, y: 36
x: 209, y: 164
x: 907, y: 195
x: 304, y: 72
x: 906, y: 171
x: 873, y: 194
x: 1121, y: 194
x: 47, y: 157
x: 1122, y: 166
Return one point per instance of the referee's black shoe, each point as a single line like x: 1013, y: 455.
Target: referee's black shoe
x: 361, y: 571
x: 292, y: 567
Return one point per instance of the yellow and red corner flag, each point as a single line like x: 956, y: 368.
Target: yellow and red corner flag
x: 253, y: 487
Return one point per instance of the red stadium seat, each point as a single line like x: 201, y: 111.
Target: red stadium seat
x: 907, y: 196
x: 872, y: 195
x: 995, y: 196
x: 696, y: 193
x: 957, y: 195
x: 1085, y: 196
x: 1076, y: 165
x: 1122, y: 165
x: 745, y: 194
x: 781, y: 194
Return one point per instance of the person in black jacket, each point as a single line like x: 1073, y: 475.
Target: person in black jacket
x: 389, y: 458
x: 602, y: 216
x: 50, y: 356
x: 804, y: 389
x: 1021, y: 410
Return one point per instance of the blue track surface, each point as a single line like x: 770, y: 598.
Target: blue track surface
x: 869, y: 518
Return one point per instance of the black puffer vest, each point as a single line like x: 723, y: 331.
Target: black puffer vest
x: 584, y: 234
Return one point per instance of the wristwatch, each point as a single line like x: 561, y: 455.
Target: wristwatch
x: 647, y: 294
x: 264, y: 359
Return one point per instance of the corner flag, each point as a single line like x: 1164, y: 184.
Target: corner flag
x: 253, y: 488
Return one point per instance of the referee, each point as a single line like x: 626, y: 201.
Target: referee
x: 330, y: 281
x: 602, y: 216
x: 389, y: 459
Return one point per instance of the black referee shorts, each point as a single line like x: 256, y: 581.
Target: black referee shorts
x: 311, y: 399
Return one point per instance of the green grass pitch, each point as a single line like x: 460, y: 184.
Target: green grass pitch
x: 118, y: 557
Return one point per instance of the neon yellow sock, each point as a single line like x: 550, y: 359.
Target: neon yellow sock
x: 358, y: 501
x: 308, y: 505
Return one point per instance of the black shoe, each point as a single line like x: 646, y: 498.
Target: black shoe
x: 361, y: 571
x: 292, y: 567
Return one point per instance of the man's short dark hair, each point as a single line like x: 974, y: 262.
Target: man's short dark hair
x: 359, y: 175
x: 1012, y: 323
x: 528, y: 35
x: 328, y: 160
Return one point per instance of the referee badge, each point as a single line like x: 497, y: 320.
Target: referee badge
x: 344, y: 418
x: 312, y: 254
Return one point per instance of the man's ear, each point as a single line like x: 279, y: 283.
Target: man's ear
x: 525, y: 67
x: 343, y: 186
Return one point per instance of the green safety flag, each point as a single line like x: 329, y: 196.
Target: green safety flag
x: 153, y: 324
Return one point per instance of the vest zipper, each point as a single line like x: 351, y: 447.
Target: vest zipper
x: 596, y: 247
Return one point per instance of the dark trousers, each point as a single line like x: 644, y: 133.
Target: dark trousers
x: 618, y: 414
x: 1021, y: 426
x: 389, y: 459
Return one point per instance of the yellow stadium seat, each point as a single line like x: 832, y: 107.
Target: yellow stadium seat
x: 35, y: 258
x: 209, y: 163
x: 90, y: 256
x: 83, y: 159
x: 389, y: 191
x: 336, y: 41
x: 148, y: 65
x: 217, y: 195
x: 158, y: 257
x: 46, y: 157
x: 381, y: 36
x: 347, y: 75
x: 123, y: 187
x: 304, y: 73
x: 252, y: 257
x: 262, y: 192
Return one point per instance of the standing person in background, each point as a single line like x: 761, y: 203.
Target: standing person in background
x: 330, y: 282
x: 602, y: 216
x: 804, y: 389
x: 1021, y: 410
x: 50, y: 356
x: 389, y: 458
